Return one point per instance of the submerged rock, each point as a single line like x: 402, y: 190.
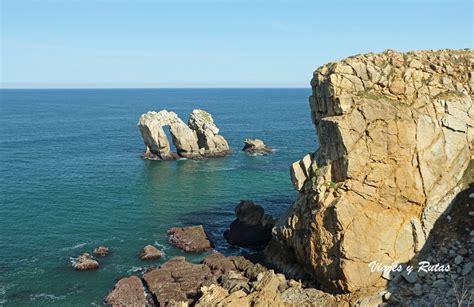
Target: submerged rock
x: 128, y: 291
x: 396, y: 132
x: 150, y: 252
x: 256, y: 146
x: 197, y: 139
x: 85, y: 262
x: 191, y: 239
x: 101, y: 251
x: 251, y: 228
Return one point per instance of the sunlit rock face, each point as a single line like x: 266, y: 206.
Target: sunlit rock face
x: 396, y: 133
x: 199, y: 138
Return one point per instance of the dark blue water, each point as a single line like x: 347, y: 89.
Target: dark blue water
x: 72, y: 179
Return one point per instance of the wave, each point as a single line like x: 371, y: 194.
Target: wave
x: 74, y: 246
x: 46, y: 296
x: 218, y: 169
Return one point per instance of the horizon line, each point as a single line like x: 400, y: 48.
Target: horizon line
x: 145, y: 88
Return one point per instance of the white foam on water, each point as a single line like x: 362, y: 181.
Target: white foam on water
x: 46, y: 296
x: 74, y: 246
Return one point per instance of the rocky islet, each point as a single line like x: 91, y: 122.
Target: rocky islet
x: 198, y: 139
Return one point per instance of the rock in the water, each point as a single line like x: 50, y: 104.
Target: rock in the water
x: 150, y: 252
x: 251, y: 228
x: 190, y: 239
x: 128, y: 291
x: 395, y: 137
x: 256, y: 146
x: 85, y: 262
x: 178, y: 280
x: 197, y: 139
x: 101, y: 251
x: 211, y: 144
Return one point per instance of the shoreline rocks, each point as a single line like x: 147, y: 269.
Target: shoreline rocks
x: 128, y: 291
x: 85, y: 262
x: 191, y: 239
x: 216, y: 281
x: 150, y: 252
x: 196, y: 140
x: 252, y: 227
x: 256, y: 147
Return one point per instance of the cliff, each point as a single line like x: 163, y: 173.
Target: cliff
x: 396, y: 132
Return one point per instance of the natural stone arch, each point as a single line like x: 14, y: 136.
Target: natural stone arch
x: 198, y: 138
x: 184, y: 138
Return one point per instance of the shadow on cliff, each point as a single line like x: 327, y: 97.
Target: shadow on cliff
x: 449, y: 239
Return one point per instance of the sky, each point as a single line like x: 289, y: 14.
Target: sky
x: 163, y: 44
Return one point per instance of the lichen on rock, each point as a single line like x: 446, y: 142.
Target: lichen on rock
x: 396, y: 132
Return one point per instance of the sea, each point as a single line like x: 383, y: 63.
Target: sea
x: 72, y: 178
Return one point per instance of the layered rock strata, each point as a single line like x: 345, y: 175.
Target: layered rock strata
x: 192, y: 239
x: 396, y: 133
x: 199, y: 138
x: 217, y: 281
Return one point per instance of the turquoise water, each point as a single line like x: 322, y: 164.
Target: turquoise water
x: 72, y: 179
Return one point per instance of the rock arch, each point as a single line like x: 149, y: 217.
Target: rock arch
x: 196, y: 139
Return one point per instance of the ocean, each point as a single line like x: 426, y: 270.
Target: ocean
x: 72, y: 178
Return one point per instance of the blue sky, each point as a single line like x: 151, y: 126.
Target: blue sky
x: 211, y: 43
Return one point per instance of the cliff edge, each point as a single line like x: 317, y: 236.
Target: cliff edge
x: 396, y: 132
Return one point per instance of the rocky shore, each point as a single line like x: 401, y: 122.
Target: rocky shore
x: 390, y: 188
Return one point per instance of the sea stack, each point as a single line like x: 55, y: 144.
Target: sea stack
x: 396, y: 133
x: 196, y: 140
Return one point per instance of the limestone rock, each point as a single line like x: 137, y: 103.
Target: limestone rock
x: 85, y: 262
x: 128, y: 291
x: 194, y: 140
x: 210, y: 142
x: 150, y: 252
x: 251, y: 228
x: 395, y: 137
x: 101, y: 251
x: 300, y: 171
x: 191, y: 239
x: 219, y: 264
x: 178, y: 281
x: 256, y: 147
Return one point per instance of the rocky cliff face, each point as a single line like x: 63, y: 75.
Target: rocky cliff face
x: 396, y: 132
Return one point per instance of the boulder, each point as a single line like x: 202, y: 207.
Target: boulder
x: 219, y: 264
x: 178, y: 280
x: 150, y: 252
x: 128, y: 291
x: 210, y: 142
x: 251, y: 228
x: 101, y: 251
x: 256, y: 147
x: 85, y: 262
x: 191, y: 239
x: 396, y: 132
